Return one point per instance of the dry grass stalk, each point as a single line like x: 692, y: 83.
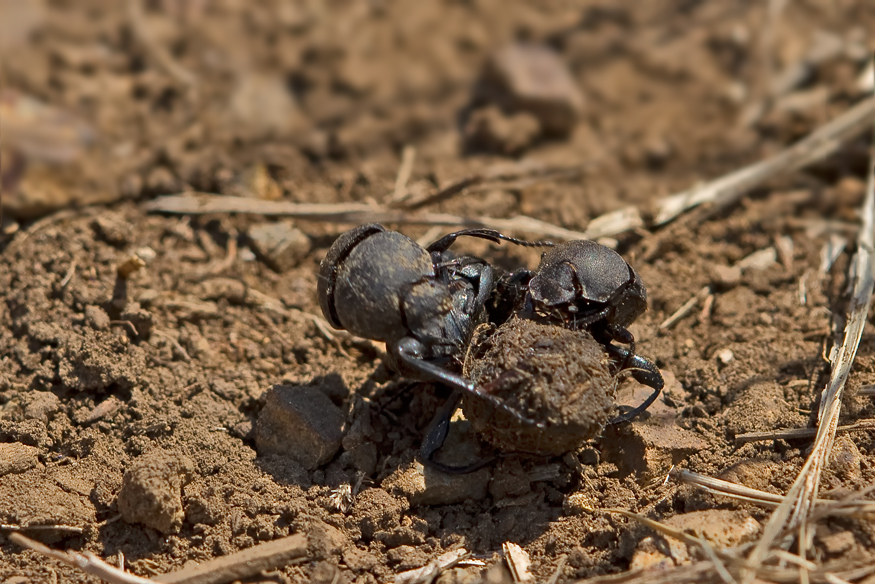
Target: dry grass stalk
x: 853, y: 505
x: 408, y: 155
x: 797, y: 433
x: 140, y: 29
x: 727, y: 189
x: 427, y: 573
x: 86, y: 561
x: 528, y: 171
x: 353, y: 213
x: 242, y: 565
x: 796, y: 507
x: 53, y: 527
x: 685, y: 309
x: 517, y: 560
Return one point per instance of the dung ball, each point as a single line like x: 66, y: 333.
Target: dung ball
x: 552, y: 375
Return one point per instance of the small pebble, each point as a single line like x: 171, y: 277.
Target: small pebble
x: 649, y: 449
x: 281, y: 245
x: 533, y: 78
x: 16, y: 458
x: 299, y: 422
x: 429, y: 486
x: 725, y: 356
x: 151, y: 491
x: 112, y: 229
x: 725, y: 277
x: 579, y: 503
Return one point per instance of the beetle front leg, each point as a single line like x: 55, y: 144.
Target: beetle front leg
x: 643, y: 371
x: 409, y: 352
x: 436, y: 436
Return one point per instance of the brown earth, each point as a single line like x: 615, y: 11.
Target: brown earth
x: 113, y: 391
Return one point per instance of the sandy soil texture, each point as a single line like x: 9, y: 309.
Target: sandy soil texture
x: 195, y: 403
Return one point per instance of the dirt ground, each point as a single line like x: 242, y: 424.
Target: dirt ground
x: 312, y: 101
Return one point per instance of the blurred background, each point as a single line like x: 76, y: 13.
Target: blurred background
x: 557, y: 110
x: 316, y: 100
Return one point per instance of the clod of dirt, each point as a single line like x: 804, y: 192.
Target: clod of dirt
x: 30, y: 432
x: 262, y: 104
x: 300, y: 422
x: 16, y: 458
x: 845, y: 459
x: 725, y: 277
x: 834, y: 543
x: 41, y: 405
x: 649, y: 450
x: 509, y: 479
x: 406, y: 557
x: 759, y: 407
x: 281, y: 245
x: 112, y: 229
x: 324, y: 540
x: 489, y: 129
x: 151, y: 491
x: 96, y: 362
x: 532, y: 78
x: 376, y: 510
x: 429, y: 486
x: 547, y: 373
x: 97, y: 318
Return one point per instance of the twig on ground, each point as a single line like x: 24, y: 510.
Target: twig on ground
x: 726, y: 190
x: 56, y: 527
x: 716, y: 557
x: 228, y: 260
x: 408, y: 155
x: 560, y: 565
x: 517, y: 560
x: 69, y: 275
x: 242, y: 565
x: 796, y: 506
x: 530, y: 170
x: 797, y: 433
x: 126, y: 324
x: 137, y: 22
x: 427, y: 573
x: 174, y: 342
x: 830, y: 252
x: 685, y: 309
x: 852, y: 505
x: 86, y: 561
x: 203, y: 203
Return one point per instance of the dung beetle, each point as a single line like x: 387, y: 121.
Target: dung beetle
x: 585, y: 285
x: 421, y: 302
x: 580, y: 286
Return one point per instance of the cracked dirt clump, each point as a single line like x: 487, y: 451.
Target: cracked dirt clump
x: 151, y: 491
x: 549, y: 374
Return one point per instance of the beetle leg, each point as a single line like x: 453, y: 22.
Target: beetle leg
x: 444, y: 243
x: 481, y: 275
x: 437, y: 434
x: 643, y: 371
x: 409, y: 352
x: 588, y: 319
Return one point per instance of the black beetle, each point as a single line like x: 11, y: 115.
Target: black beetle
x: 581, y: 286
x: 424, y: 305
x: 585, y: 285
